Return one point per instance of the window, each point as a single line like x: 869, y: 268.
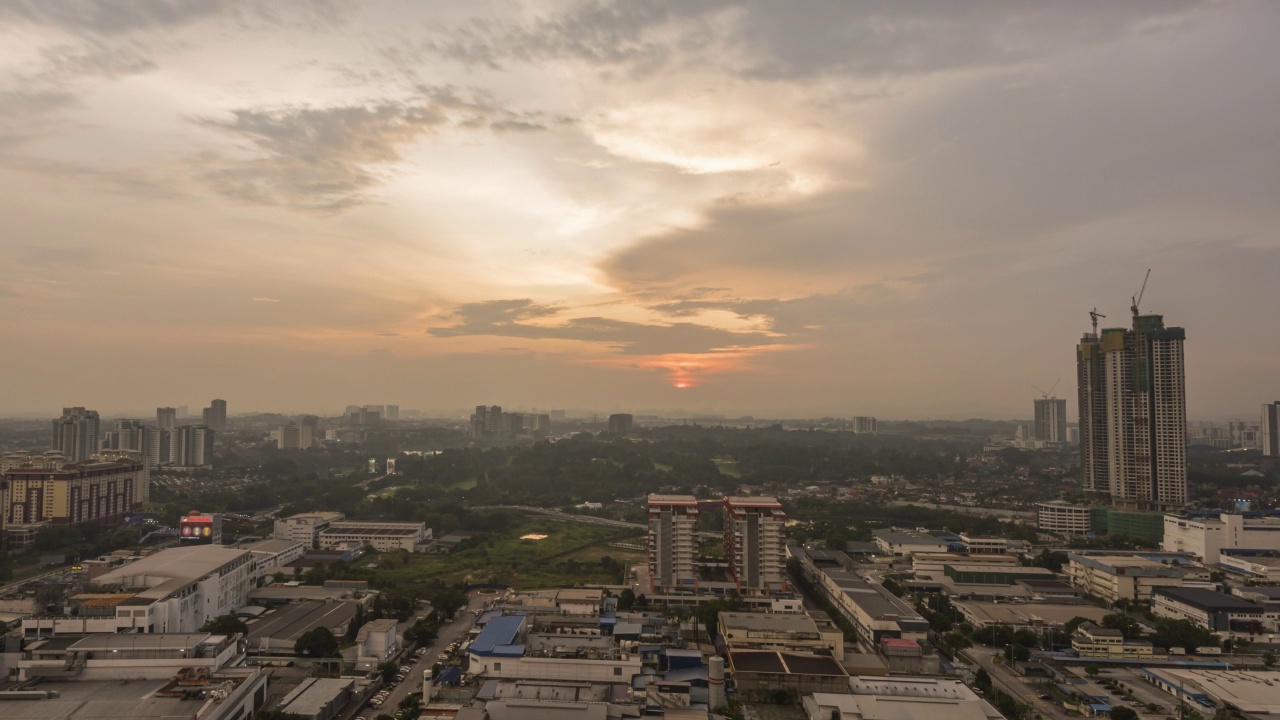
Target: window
x: 497, y: 667
x: 617, y: 671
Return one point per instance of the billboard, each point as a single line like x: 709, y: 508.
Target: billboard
x: 373, y: 466
x: 200, y: 529
x: 391, y: 466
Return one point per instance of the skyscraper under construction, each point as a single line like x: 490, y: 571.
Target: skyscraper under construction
x: 1133, y: 414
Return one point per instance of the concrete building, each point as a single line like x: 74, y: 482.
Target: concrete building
x: 191, y: 446
x: 1133, y: 415
x: 1242, y: 693
x: 215, y: 416
x: 271, y: 555
x: 99, y: 492
x: 232, y: 693
x: 1206, y: 534
x: 905, y: 543
x: 621, y: 423
x: 1091, y: 641
x: 383, y: 536
x: 579, y: 601
x: 76, y: 433
x: 1051, y: 420
x: 499, y: 651
x: 318, y: 698
x: 305, y: 527
x: 761, y: 674
x: 106, y: 656
x: 787, y: 632
x: 865, y: 425
x: 1113, y: 578
x: 166, y: 418
x: 976, y: 545
x: 874, y: 611
x: 900, y: 698
x: 173, y: 591
x: 376, y: 642
x: 1270, y: 432
x: 1227, y: 615
x: 1070, y: 519
x: 755, y: 545
x: 673, y: 543
x: 293, y: 437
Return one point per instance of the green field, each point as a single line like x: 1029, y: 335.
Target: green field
x: 570, y: 555
x: 727, y: 467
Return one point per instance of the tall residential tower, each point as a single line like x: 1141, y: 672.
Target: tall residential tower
x: 673, y: 542
x: 75, y: 434
x: 1051, y: 420
x: 1133, y: 415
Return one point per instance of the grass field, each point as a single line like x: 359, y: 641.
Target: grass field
x: 727, y: 467
x: 570, y: 555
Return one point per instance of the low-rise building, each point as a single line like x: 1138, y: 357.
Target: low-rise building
x: 317, y: 698
x: 101, y: 492
x: 232, y: 693
x: 580, y: 601
x: 976, y: 545
x: 790, y: 632
x: 376, y: 643
x: 106, y: 656
x: 1227, y: 615
x: 874, y: 611
x: 499, y: 651
x: 304, y: 527
x: 905, y: 543
x: 1070, y: 519
x: 269, y: 556
x: 1205, y: 534
x: 1113, y: 578
x: 761, y: 674
x: 900, y: 698
x: 1092, y: 641
x: 383, y: 536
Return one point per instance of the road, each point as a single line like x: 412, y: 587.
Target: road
x: 1004, y: 679
x: 449, y: 633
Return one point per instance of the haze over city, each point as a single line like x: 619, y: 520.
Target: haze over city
x: 902, y: 210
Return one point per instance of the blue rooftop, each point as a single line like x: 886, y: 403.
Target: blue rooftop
x: 499, y: 636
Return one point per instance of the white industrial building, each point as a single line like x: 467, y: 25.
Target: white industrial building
x: 383, y: 536
x: 1065, y: 518
x: 272, y: 554
x: 900, y: 698
x: 304, y: 527
x: 1207, y: 535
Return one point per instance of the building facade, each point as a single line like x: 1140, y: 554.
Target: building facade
x: 1133, y: 415
x: 382, y: 536
x: 1070, y: 519
x: 100, y: 492
x: 1270, y: 431
x: 1206, y: 535
x: 673, y: 542
x: 215, y: 416
x: 304, y: 527
x: 192, y: 446
x: 293, y: 437
x: 755, y: 546
x: 1051, y: 420
x: 1113, y: 578
x: 75, y: 434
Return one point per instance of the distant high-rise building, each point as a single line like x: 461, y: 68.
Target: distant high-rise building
x: 621, y: 423
x: 367, y: 415
x: 1271, y: 430
x: 75, y: 434
x: 1133, y: 415
x: 215, y: 416
x: 127, y: 435
x: 1051, y: 420
x: 486, y: 422
x: 755, y: 544
x: 155, y: 445
x: 192, y: 446
x: 864, y: 426
x: 166, y: 418
x: 183, y: 412
x: 100, y: 492
x: 391, y: 413
x: 293, y: 437
x: 673, y: 546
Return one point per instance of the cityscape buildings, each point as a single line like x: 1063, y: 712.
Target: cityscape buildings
x: 1133, y: 415
x: 294, y: 437
x: 37, y: 495
x: 215, y: 416
x: 672, y: 542
x: 755, y: 544
x: 75, y: 434
x: 621, y: 423
x: 1051, y: 420
x: 166, y: 418
x: 192, y: 446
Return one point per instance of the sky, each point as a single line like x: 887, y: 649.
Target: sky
x: 903, y: 209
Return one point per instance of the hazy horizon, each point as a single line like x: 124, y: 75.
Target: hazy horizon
x: 901, y: 210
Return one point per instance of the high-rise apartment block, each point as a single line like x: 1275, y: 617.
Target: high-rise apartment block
x: 215, y: 416
x: 192, y: 446
x: 864, y: 426
x: 98, y: 491
x: 755, y: 544
x: 392, y: 413
x: 293, y: 437
x: 1133, y: 414
x: 166, y: 418
x: 1271, y: 430
x: 1051, y: 420
x: 673, y: 543
x: 621, y: 423
x: 75, y: 434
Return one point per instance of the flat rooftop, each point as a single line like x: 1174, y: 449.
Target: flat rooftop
x: 773, y: 622
x: 271, y: 546
x: 180, y: 563
x: 672, y: 500
x: 290, y: 621
x: 1208, y: 599
x: 370, y: 531
x: 769, y: 661
x: 989, y: 613
x: 101, y: 700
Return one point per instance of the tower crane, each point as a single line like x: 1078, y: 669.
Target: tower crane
x: 1137, y: 299
x: 1094, y: 315
x: 1049, y: 395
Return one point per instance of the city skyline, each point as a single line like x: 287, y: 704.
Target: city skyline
x: 709, y: 208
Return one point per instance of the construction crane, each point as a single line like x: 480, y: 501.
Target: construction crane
x: 1094, y: 315
x: 1049, y: 395
x: 1137, y: 299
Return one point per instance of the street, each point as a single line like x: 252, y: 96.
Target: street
x: 450, y: 632
x: 1004, y: 679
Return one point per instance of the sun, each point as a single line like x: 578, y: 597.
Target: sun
x: 683, y: 385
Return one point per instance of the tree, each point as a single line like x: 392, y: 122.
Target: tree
x: 226, y: 625
x: 1017, y: 652
x: 316, y: 643
x: 1184, y: 634
x: 1269, y: 659
x: 449, y: 601
x: 626, y: 600
x: 982, y: 680
x: 1127, y: 626
x: 357, y: 621
x: 1120, y: 712
x: 1091, y: 670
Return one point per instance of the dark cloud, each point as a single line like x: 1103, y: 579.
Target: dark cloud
x: 504, y: 318
x: 112, y: 17
x: 328, y: 159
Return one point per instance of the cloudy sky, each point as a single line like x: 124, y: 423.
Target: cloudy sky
x: 903, y: 208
